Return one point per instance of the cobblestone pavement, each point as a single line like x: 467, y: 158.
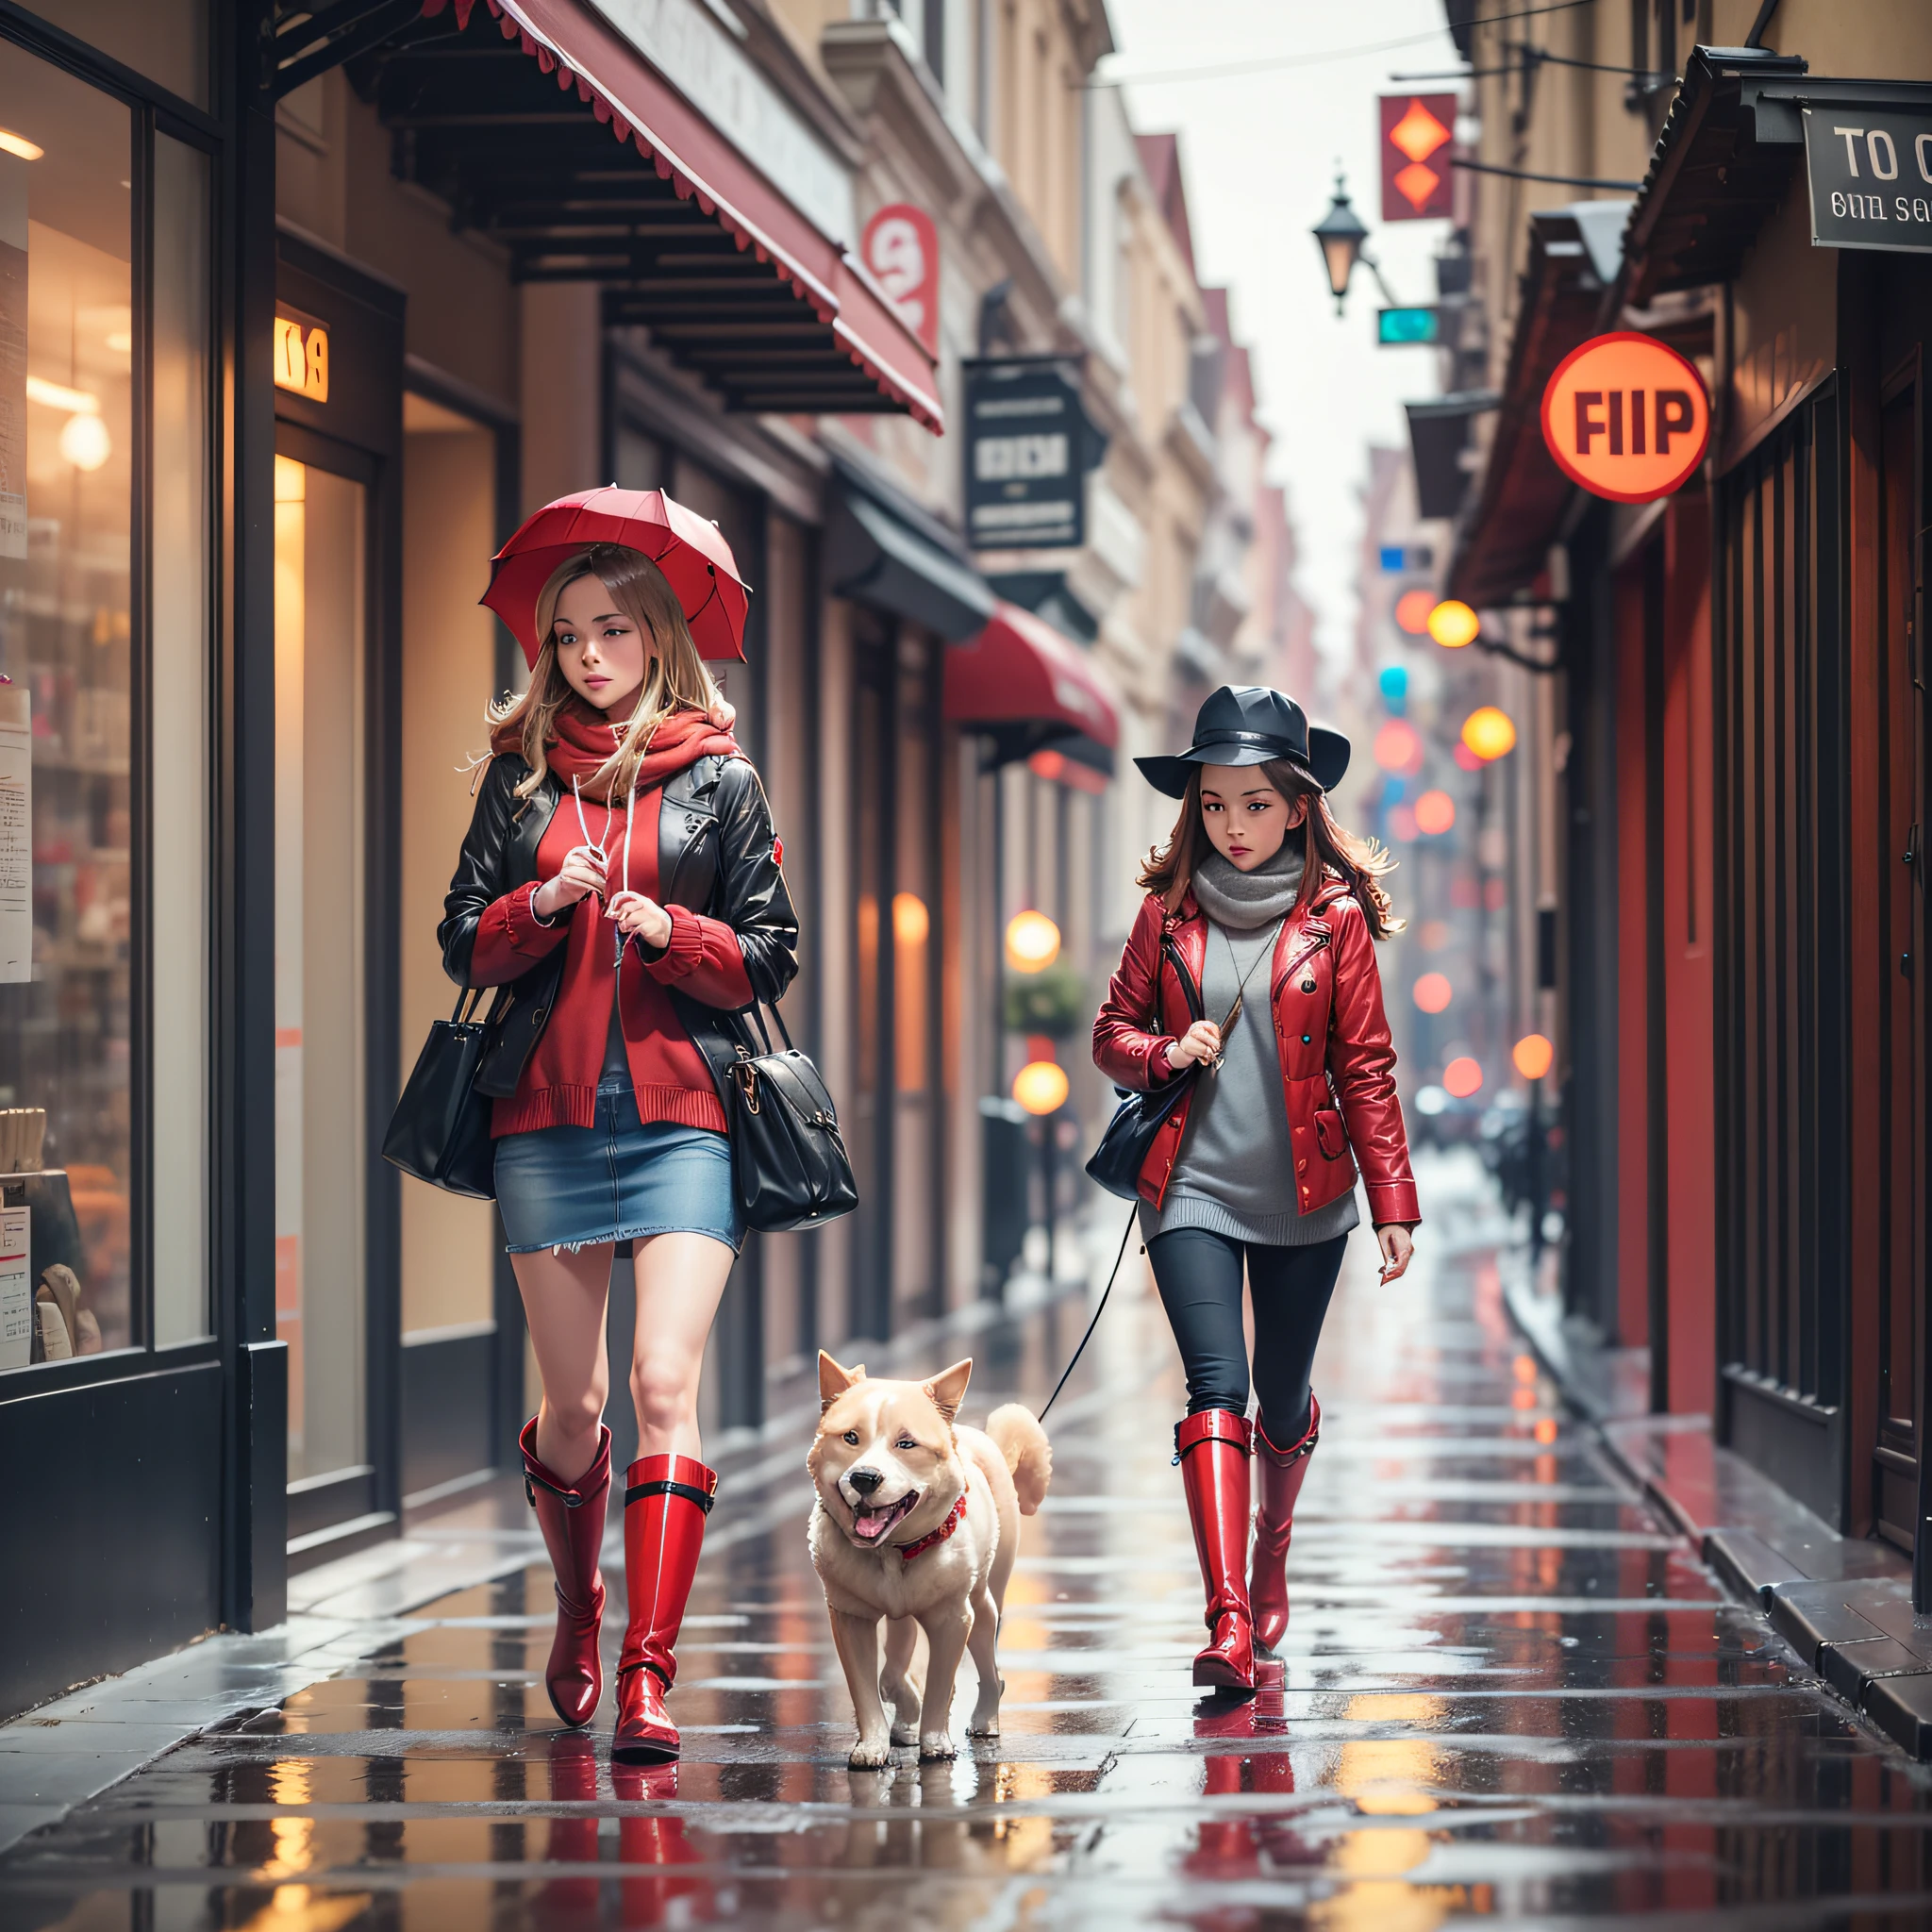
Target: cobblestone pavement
x: 1509, y: 1694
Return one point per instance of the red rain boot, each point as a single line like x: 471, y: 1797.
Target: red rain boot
x: 666, y: 1499
x: 1212, y: 1449
x: 1283, y: 1471
x: 572, y: 1515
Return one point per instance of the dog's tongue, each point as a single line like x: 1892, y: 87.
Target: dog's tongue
x: 871, y: 1524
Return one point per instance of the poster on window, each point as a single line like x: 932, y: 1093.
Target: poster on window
x: 16, y: 1288
x: 14, y: 178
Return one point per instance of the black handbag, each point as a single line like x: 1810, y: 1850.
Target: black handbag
x: 789, y: 1164
x: 439, y: 1131
x: 1116, y: 1164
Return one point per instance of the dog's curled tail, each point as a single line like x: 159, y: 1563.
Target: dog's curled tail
x: 1028, y: 1455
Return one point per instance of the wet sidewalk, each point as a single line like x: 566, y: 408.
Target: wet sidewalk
x: 1513, y: 1691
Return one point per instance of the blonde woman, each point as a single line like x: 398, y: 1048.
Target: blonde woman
x: 621, y: 873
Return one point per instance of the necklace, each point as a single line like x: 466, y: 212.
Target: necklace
x: 1234, y: 1012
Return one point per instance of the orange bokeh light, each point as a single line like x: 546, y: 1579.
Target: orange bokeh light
x: 1546, y: 1430
x: 1453, y: 623
x: 1435, y: 813
x: 1433, y: 993
x: 1489, y: 733
x: 1533, y: 1054
x: 1462, y: 1076
x: 1397, y: 747
x: 1412, y: 612
x: 1041, y: 1085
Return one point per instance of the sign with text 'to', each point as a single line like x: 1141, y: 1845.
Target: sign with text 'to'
x: 1627, y: 416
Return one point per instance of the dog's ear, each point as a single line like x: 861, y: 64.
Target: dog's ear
x: 948, y: 1388
x: 834, y: 1379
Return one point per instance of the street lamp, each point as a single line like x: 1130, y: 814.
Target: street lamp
x: 1340, y: 236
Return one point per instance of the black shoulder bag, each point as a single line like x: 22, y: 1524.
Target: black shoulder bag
x: 788, y: 1164
x: 1116, y: 1164
x: 439, y: 1131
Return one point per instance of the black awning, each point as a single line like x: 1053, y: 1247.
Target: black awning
x: 1437, y: 435
x: 882, y: 550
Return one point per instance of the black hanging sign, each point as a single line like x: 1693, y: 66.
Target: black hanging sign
x: 1030, y: 445
x: 1871, y: 176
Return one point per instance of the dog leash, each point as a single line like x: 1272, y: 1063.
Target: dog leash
x: 1133, y: 1214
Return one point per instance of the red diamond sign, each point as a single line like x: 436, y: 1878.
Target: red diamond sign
x: 1416, y: 133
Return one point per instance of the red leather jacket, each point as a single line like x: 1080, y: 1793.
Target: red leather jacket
x: 1336, y: 1062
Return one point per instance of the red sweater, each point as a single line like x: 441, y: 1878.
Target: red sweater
x: 558, y: 1086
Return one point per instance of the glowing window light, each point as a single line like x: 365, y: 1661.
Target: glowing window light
x: 1432, y: 993
x: 56, y: 395
x: 1533, y: 1054
x: 1489, y: 733
x: 13, y: 143
x: 85, y: 442
x: 1033, y: 943
x: 910, y: 919
x: 1041, y: 1085
x: 1462, y: 1077
x: 1435, y: 813
x: 1452, y: 625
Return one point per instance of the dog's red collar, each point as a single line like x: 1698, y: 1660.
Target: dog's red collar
x: 936, y: 1536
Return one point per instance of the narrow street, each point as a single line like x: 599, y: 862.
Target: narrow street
x: 1510, y: 1693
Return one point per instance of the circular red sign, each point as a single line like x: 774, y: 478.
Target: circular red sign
x: 1626, y: 417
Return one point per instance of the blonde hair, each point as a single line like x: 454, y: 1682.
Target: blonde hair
x: 676, y: 678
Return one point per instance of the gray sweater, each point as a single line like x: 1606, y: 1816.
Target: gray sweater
x: 1235, y: 1172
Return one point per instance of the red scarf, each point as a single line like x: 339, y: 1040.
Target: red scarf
x: 586, y: 740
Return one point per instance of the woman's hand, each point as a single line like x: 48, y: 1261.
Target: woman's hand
x: 1397, y: 1247
x: 722, y: 714
x: 583, y: 872
x: 1201, y: 1041
x: 641, y: 918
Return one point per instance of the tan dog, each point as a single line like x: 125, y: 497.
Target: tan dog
x: 918, y: 1521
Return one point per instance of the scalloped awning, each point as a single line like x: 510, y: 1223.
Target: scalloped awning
x: 698, y: 246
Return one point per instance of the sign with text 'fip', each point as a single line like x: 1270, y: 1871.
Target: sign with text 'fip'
x: 1870, y: 178
x: 1627, y: 416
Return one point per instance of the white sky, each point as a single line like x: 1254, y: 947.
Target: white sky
x: 1258, y: 151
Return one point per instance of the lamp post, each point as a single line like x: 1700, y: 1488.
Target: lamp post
x: 1340, y: 235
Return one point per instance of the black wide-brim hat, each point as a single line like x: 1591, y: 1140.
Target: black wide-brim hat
x: 1250, y: 725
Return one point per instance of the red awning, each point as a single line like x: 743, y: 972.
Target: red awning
x: 1020, y: 671
x: 621, y: 87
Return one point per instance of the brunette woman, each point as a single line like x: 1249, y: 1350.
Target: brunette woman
x: 1260, y: 918
x: 621, y: 873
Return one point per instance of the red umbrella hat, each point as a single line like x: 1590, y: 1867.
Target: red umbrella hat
x: 687, y: 548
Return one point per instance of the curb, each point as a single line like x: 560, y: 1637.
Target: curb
x: 1858, y: 1634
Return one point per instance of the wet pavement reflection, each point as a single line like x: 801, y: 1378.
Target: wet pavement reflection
x: 1511, y: 1692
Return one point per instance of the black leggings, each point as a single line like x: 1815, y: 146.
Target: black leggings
x: 1199, y: 1276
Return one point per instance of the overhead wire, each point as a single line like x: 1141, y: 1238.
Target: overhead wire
x: 1274, y: 63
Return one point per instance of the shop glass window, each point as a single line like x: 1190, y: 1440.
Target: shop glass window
x: 81, y: 801
x: 166, y: 41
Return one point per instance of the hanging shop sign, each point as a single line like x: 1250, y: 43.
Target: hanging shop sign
x: 900, y: 248
x: 1627, y: 416
x: 1030, y: 445
x: 301, y: 360
x: 1870, y: 178
x: 1416, y: 131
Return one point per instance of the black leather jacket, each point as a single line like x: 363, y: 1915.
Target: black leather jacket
x: 715, y: 854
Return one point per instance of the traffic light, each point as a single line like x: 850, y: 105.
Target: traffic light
x: 1417, y: 132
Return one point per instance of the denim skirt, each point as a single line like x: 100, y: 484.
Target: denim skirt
x: 620, y: 1180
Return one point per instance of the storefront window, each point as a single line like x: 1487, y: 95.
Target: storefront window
x: 66, y: 647
x: 164, y: 40
x: 320, y: 1045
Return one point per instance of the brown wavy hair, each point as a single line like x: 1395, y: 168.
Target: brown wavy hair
x: 1360, y: 863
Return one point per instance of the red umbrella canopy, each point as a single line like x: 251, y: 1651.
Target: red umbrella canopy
x: 687, y: 548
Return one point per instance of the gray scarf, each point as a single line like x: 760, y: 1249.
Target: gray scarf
x: 1246, y: 901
